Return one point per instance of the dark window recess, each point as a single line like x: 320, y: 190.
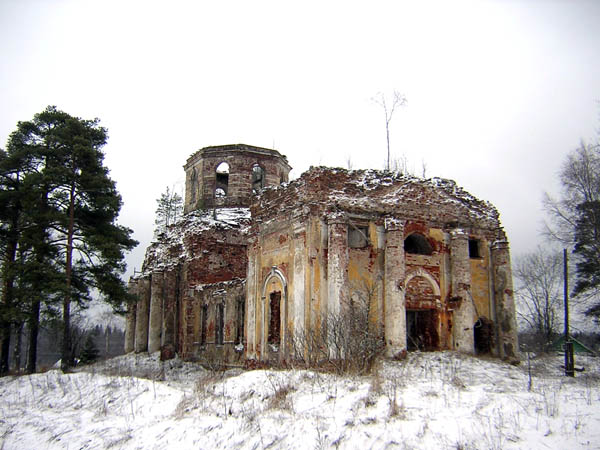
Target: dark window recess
x: 241, y: 304
x: 274, y: 318
x: 474, y: 248
x: 358, y: 236
x: 203, y: 325
x: 193, y: 182
x: 258, y: 178
x: 220, y: 323
x: 417, y: 244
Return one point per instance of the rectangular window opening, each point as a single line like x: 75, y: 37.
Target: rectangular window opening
x: 358, y: 236
x: 203, y: 325
x: 220, y: 323
x: 240, y: 321
x: 474, y: 248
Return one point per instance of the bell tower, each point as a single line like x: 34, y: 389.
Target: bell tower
x: 228, y: 175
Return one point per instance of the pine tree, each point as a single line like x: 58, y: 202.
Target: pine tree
x: 169, y: 209
x: 90, y: 352
x: 75, y: 206
x: 587, y: 249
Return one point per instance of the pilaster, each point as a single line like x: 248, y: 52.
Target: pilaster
x: 460, y: 272
x: 337, y: 265
x: 394, y: 314
x: 132, y: 287
x: 156, y: 312
x: 141, y: 315
x: 504, y: 303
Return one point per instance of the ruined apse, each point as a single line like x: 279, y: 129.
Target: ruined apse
x: 257, y: 260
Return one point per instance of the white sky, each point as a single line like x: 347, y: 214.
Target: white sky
x: 498, y: 91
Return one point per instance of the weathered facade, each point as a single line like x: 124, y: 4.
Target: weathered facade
x: 191, y: 291
x: 430, y: 261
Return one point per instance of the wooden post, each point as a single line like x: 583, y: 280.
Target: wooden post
x: 569, y: 358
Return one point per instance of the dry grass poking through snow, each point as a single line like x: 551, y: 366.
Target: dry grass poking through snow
x: 431, y: 400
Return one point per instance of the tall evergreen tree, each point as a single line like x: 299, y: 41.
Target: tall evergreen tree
x: 587, y: 249
x: 77, y: 205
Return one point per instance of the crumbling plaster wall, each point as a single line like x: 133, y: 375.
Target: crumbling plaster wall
x: 200, y: 322
x: 298, y: 245
x: 462, y: 284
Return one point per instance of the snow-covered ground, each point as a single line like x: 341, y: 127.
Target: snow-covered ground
x: 431, y: 400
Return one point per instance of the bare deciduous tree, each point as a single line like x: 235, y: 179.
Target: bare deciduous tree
x: 539, y: 285
x: 389, y: 106
x: 580, y: 183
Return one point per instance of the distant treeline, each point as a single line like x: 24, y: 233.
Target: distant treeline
x: 108, y: 340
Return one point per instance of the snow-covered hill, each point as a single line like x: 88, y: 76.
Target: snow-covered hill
x: 431, y: 400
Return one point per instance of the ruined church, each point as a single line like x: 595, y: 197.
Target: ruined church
x: 257, y: 260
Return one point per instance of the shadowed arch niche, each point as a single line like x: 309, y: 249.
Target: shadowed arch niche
x: 422, y: 296
x: 274, y: 312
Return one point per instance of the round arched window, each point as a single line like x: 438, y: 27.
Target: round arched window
x: 258, y: 178
x: 222, y: 180
x: 417, y: 244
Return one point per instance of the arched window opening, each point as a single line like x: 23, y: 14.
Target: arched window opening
x: 274, y: 318
x: 193, y: 185
x: 222, y: 178
x: 258, y: 178
x: 417, y: 244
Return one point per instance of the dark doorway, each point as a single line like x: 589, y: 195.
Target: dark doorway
x: 484, y: 335
x: 421, y: 330
x: 274, y: 318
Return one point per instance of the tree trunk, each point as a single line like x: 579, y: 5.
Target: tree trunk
x: 34, y: 327
x: 67, y: 356
x: 8, y: 294
x: 18, y: 346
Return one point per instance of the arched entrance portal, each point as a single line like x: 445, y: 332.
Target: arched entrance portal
x: 422, y: 296
x: 274, y: 312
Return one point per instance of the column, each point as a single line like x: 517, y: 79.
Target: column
x: 141, y: 315
x: 394, y: 310
x: 169, y: 317
x: 130, y: 318
x: 460, y: 272
x: 297, y: 297
x: 252, y: 300
x: 504, y: 304
x: 156, y: 306
x: 337, y: 265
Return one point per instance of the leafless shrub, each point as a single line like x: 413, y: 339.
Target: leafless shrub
x: 183, y: 407
x: 344, y: 342
x: 281, y: 389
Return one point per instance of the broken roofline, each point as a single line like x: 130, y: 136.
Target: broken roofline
x: 376, y: 191
x: 226, y: 150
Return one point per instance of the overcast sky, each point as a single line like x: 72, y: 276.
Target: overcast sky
x: 498, y: 91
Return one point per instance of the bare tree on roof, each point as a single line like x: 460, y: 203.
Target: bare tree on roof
x: 389, y: 106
